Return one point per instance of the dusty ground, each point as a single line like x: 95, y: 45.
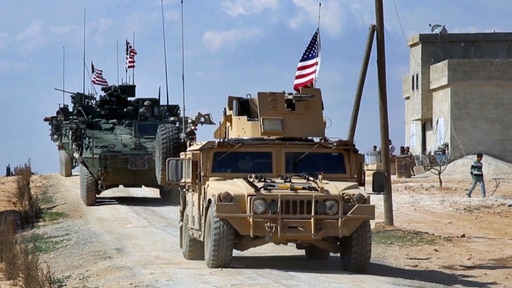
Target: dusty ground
x: 440, y: 237
x: 472, y: 237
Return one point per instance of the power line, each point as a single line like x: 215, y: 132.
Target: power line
x: 403, y: 32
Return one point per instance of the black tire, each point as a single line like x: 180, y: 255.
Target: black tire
x: 316, y: 253
x: 218, y: 241
x: 192, y: 248
x: 88, y: 187
x: 170, y: 194
x: 356, y: 250
x: 65, y: 162
x: 167, y: 145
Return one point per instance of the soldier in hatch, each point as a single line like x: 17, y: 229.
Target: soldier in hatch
x: 146, y: 112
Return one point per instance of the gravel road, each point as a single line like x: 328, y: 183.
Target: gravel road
x: 131, y: 239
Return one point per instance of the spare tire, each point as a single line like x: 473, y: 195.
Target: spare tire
x: 167, y: 145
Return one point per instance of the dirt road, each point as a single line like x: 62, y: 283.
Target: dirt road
x: 131, y: 239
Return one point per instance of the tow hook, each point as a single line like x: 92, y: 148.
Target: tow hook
x: 270, y: 228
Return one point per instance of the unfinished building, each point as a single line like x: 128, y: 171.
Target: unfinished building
x: 458, y: 94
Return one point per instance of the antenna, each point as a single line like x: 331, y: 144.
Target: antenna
x: 63, y: 74
x: 183, y: 70
x: 83, y: 73
x: 165, y: 57
x: 117, y: 60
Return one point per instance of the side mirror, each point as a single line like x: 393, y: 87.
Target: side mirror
x: 379, y: 182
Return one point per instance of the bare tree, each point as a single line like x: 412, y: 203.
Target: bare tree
x: 439, y: 161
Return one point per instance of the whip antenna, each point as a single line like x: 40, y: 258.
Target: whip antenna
x: 183, y: 69
x: 165, y: 54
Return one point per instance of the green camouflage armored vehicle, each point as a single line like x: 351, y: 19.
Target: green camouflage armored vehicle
x: 117, y: 140
x: 118, y: 148
x: 272, y: 176
x: 63, y: 129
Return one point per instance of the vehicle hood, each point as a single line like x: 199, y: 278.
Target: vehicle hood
x: 302, y: 187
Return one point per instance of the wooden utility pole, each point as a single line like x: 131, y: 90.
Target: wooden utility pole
x: 383, y: 112
x: 360, y: 85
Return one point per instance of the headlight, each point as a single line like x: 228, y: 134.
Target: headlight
x: 272, y: 206
x: 225, y: 197
x: 331, y: 207
x: 359, y: 198
x: 320, y: 207
x: 259, y: 206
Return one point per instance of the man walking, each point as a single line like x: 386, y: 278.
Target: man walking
x: 477, y: 175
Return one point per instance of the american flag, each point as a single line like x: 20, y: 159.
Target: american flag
x: 130, y: 55
x: 309, y: 64
x: 97, y: 76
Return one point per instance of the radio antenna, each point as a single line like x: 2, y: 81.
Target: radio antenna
x: 183, y: 69
x: 165, y: 54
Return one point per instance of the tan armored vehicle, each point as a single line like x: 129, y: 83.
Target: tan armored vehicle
x: 273, y: 177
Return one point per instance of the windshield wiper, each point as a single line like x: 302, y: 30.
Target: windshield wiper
x: 307, y: 152
x: 234, y: 148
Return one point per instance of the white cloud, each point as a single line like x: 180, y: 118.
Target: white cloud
x: 4, y: 38
x: 248, y: 7
x: 99, y: 28
x: 63, y: 30
x: 214, y: 40
x: 331, y: 15
x: 32, y: 36
x: 363, y: 15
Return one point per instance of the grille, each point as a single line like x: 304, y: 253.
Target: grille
x: 296, y: 207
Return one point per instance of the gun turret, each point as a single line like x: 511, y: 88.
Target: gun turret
x: 274, y: 115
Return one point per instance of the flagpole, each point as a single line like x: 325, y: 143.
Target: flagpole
x: 133, y: 70
x: 318, y: 42
x: 319, y: 7
x: 126, y: 81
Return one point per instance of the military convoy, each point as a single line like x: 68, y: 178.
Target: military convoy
x: 272, y: 176
x: 118, y: 139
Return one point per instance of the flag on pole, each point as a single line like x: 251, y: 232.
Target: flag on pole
x: 97, y: 76
x: 309, y: 64
x: 130, y: 55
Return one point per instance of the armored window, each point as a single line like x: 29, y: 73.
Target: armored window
x: 315, y: 162
x: 146, y: 129
x: 242, y: 162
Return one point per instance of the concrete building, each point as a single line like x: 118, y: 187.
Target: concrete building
x: 459, y: 92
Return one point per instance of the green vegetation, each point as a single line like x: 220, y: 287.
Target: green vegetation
x: 50, y: 216
x: 403, y: 237
x: 40, y: 243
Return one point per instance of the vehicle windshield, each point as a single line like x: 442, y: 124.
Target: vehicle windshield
x: 315, y: 162
x: 242, y: 162
x: 147, y: 129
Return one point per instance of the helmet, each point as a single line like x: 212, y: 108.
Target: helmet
x: 147, y: 103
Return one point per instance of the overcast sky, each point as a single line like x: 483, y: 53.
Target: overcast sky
x: 232, y: 47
